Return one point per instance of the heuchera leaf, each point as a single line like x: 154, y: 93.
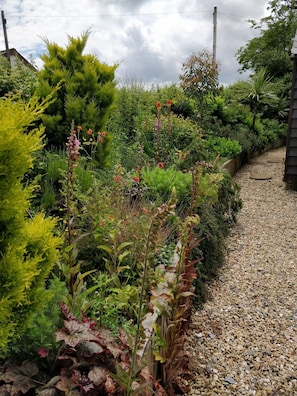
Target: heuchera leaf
x: 49, y: 389
x: 89, y: 348
x: 110, y: 386
x: 20, y: 376
x: 47, y: 392
x: 97, y: 375
x: 67, y: 386
x: 74, y: 332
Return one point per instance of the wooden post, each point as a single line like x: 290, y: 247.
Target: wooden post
x: 214, y: 50
x: 5, y: 37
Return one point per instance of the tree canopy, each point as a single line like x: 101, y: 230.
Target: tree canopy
x: 199, y: 75
x: 272, y: 49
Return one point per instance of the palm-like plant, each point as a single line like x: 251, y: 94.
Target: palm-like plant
x: 259, y: 90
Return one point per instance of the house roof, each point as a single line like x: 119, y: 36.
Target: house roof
x: 14, y: 53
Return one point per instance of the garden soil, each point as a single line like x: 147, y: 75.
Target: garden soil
x: 244, y: 340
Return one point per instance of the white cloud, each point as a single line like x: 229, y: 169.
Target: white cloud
x: 150, y: 39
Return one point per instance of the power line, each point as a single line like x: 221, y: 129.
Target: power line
x: 107, y: 15
x: 231, y: 16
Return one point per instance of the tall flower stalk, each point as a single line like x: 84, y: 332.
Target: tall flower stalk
x: 70, y: 265
x: 72, y: 147
x: 158, y: 130
x: 168, y: 103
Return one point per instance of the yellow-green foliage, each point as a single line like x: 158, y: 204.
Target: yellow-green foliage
x: 27, y: 246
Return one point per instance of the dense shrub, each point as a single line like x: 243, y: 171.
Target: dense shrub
x: 160, y: 183
x: 222, y: 147
x: 27, y: 244
x: 216, y: 219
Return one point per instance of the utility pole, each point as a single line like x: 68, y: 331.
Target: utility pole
x: 5, y: 37
x: 214, y: 48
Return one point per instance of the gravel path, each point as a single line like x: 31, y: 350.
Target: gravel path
x: 244, y: 341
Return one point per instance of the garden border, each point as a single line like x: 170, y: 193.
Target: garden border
x: 233, y: 165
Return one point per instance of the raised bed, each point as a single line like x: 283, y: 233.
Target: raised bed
x: 233, y: 165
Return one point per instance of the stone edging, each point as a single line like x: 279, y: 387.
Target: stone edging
x: 233, y: 165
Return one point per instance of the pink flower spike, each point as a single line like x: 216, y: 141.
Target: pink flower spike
x: 43, y: 352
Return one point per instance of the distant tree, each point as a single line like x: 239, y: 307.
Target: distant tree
x: 272, y: 49
x: 86, y: 93
x: 199, y: 76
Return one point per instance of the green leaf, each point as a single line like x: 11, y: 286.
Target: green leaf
x: 83, y: 275
x: 122, y: 268
x: 123, y: 255
x: 123, y: 245
x: 106, y: 248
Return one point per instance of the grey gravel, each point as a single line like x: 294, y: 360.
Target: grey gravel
x: 244, y: 340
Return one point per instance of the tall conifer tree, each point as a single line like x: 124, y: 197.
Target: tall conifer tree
x: 86, y: 93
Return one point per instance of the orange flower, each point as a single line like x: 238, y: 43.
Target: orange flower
x: 158, y: 105
x: 136, y: 179
x: 117, y: 178
x: 100, y: 139
x: 103, y: 134
x: 169, y: 103
x: 89, y: 132
x: 79, y: 127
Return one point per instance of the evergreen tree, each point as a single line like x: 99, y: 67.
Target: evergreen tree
x: 272, y: 49
x: 86, y: 89
x: 28, y: 249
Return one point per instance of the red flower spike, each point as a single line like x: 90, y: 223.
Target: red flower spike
x: 169, y: 103
x: 158, y: 105
x: 160, y: 165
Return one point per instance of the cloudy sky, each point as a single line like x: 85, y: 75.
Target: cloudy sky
x: 149, y: 39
